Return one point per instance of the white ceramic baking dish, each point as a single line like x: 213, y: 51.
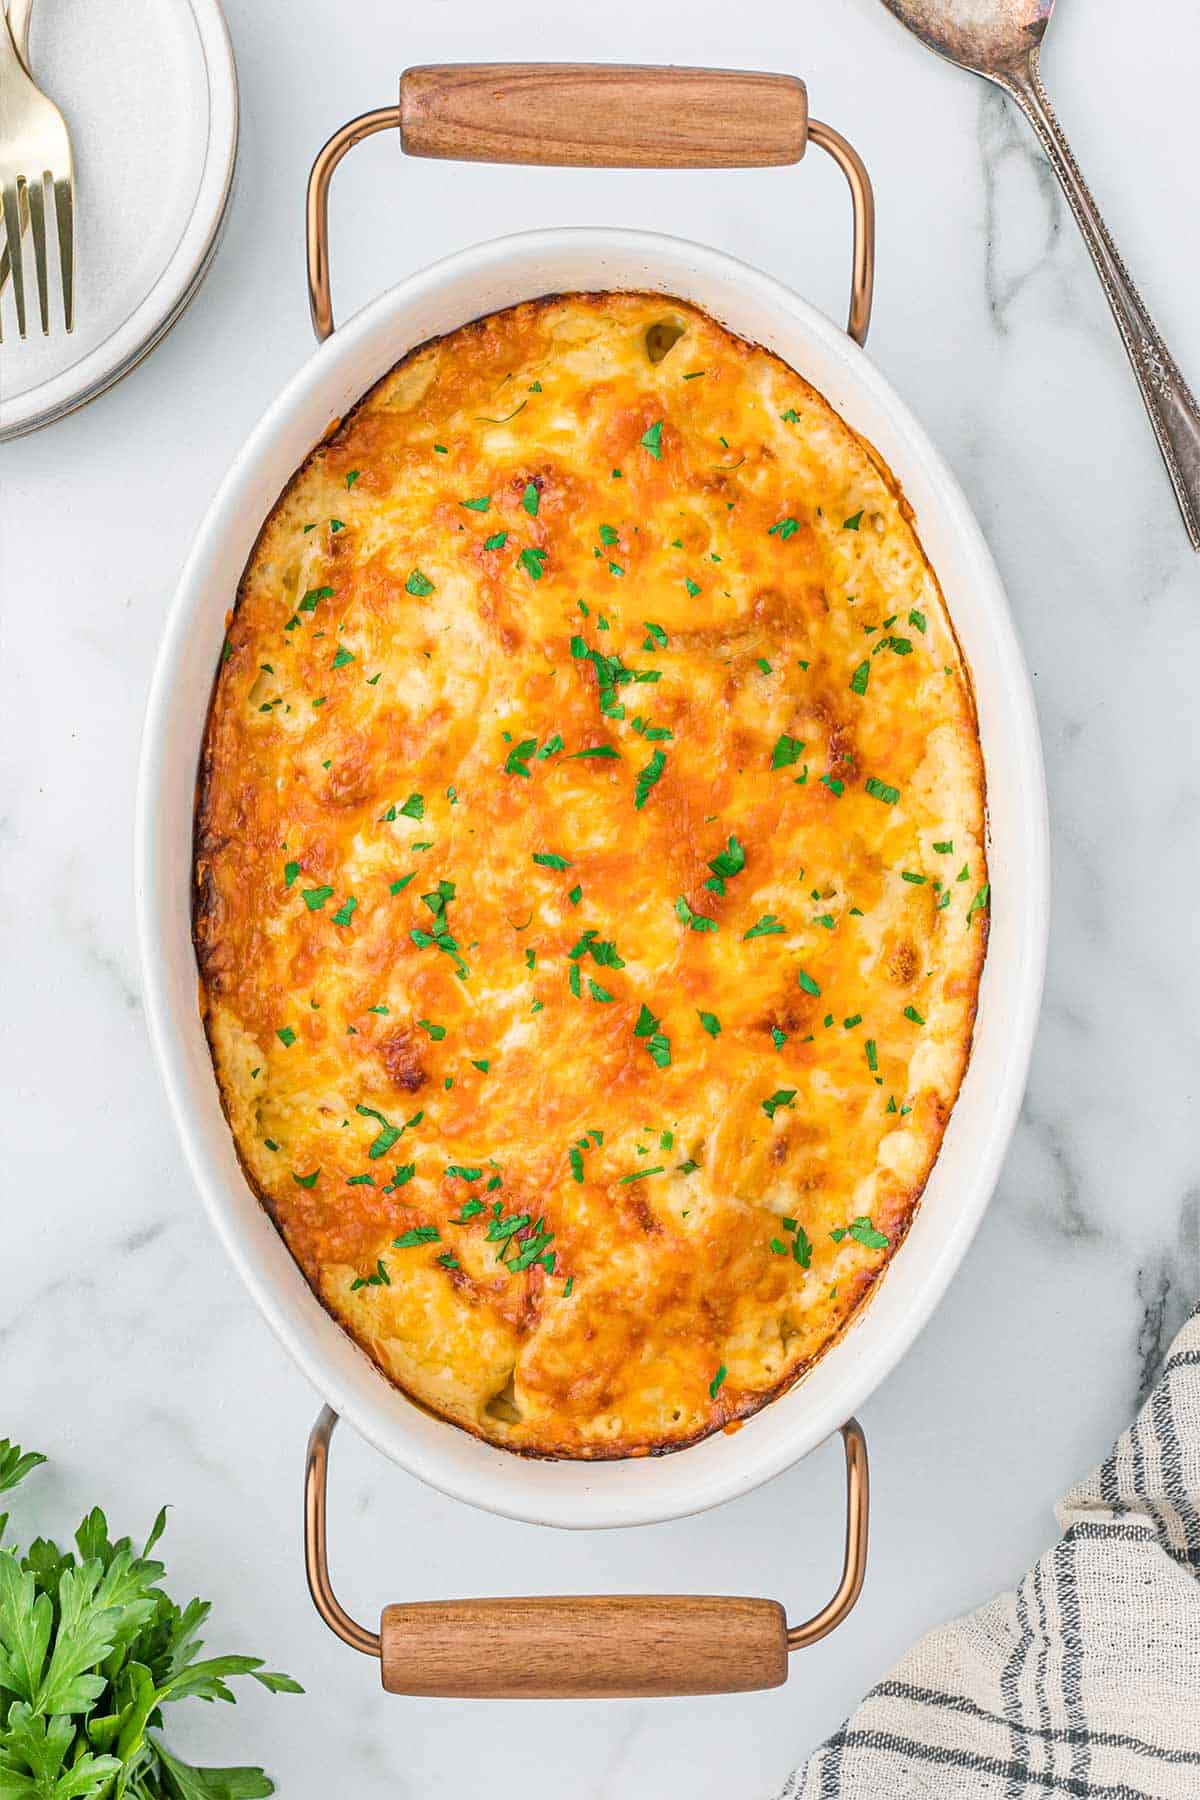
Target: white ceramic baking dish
x: 437, y: 300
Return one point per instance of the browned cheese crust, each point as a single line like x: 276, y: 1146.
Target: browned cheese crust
x: 589, y: 877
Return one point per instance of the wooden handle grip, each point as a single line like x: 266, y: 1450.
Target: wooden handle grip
x: 583, y: 1647
x: 603, y: 115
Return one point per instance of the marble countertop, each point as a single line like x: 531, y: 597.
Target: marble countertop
x: 131, y: 1353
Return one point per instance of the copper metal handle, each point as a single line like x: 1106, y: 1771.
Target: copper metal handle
x: 602, y: 115
x: 582, y: 1646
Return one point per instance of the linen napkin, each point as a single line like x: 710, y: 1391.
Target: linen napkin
x: 1086, y: 1680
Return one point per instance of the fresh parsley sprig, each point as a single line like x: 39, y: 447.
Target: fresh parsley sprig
x: 91, y: 1650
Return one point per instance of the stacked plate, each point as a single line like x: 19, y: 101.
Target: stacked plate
x: 149, y: 92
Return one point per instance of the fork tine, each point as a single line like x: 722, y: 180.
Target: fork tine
x: 37, y: 225
x: 64, y: 205
x: 12, y: 227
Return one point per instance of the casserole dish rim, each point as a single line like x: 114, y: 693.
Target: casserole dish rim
x: 502, y: 272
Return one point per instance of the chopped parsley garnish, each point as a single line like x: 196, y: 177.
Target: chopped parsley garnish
x: 517, y: 760
x: 420, y: 1234
x: 686, y: 916
x: 497, y: 541
x: 550, y: 860
x: 767, y: 926
x: 352, y: 477
x: 641, y: 1175
x: 651, y: 440
x: 286, y: 1036
x: 529, y: 499
x: 290, y: 872
x: 380, y: 1278
x: 418, y: 584
x: 305, y: 1181
x: 946, y: 847
x: 860, y: 678
x: 853, y: 522
x: 710, y: 1022
x: 609, y: 535
x: 398, y: 886
x: 648, y: 778
x: 658, y: 1044
x: 345, y: 911
x: 715, y: 1385
x: 863, y: 1232
x: 872, y: 1055
x: 315, y: 898
x: 808, y: 984
x: 910, y: 1012
x: 784, y: 529
x: 343, y: 657
x: 881, y: 790
x: 484, y: 420
x: 693, y: 587
x: 531, y: 561
x: 917, y: 618
x: 979, y: 903
x: 657, y: 636
x: 781, y: 1097
x: 479, y: 505
x: 788, y: 750
x: 727, y: 863
x: 309, y: 602
x: 436, y: 1032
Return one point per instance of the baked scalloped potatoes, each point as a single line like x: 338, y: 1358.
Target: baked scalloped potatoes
x: 590, y: 886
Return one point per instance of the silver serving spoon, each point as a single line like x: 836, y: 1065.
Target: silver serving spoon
x: 1001, y: 40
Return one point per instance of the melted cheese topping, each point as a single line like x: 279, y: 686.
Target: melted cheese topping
x: 590, y: 886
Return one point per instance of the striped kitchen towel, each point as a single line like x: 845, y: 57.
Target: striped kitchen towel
x: 1086, y: 1680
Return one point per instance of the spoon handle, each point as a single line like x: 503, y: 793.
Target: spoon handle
x: 1169, y: 402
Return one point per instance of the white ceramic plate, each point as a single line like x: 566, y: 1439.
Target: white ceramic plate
x: 149, y: 92
x: 438, y: 300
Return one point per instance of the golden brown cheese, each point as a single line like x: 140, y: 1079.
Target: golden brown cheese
x: 590, y: 885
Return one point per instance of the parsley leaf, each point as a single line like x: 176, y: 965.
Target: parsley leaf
x: 767, y: 926
x: 418, y: 584
x: 531, y: 561
x: 517, y: 760
x: 651, y: 440
x: 648, y: 778
x: 788, y: 750
x: 93, y: 1649
x: 781, y: 1097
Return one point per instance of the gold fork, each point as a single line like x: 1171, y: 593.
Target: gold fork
x: 35, y: 148
x: 20, y: 14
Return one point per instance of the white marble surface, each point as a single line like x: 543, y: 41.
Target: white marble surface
x: 129, y: 1351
